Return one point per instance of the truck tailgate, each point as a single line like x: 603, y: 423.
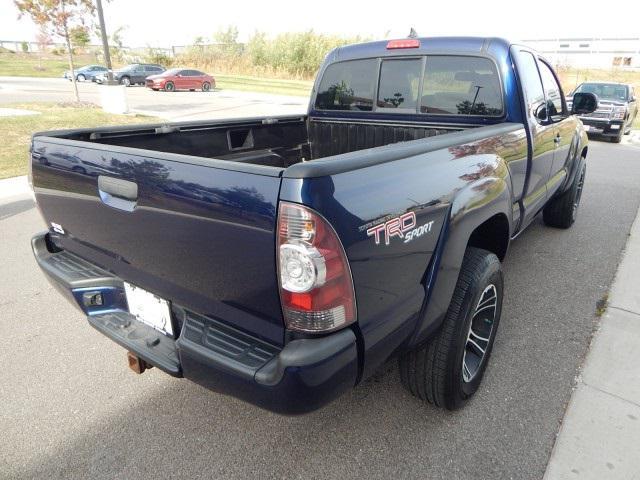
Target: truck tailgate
x: 197, y: 232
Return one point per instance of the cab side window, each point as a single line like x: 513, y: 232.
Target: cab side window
x: 552, y: 90
x: 532, y: 86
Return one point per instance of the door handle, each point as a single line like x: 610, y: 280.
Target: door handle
x: 557, y: 139
x: 117, y: 193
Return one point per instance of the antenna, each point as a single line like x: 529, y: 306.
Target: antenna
x: 413, y: 33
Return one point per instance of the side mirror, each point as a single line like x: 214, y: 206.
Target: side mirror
x: 541, y: 112
x: 583, y: 103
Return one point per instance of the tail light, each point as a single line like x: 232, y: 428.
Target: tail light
x: 405, y: 43
x: 316, y: 288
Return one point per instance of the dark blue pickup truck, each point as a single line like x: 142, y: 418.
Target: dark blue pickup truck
x: 282, y: 260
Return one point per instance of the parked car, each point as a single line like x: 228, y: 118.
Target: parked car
x: 181, y: 79
x: 88, y: 72
x: 617, y: 109
x: 282, y: 260
x: 134, y: 74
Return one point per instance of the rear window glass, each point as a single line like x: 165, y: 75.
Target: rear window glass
x: 399, y: 83
x: 348, y: 86
x: 456, y: 85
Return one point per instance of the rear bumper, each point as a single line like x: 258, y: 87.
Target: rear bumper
x: 300, y: 377
x: 596, y: 126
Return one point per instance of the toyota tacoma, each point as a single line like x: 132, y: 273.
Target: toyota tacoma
x: 282, y: 260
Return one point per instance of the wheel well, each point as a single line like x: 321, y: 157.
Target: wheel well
x: 492, y: 235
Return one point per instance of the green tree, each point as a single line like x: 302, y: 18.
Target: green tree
x: 59, y: 18
x: 228, y: 38
x: 79, y: 36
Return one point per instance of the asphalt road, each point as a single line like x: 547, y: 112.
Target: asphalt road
x: 176, y: 106
x: 72, y: 409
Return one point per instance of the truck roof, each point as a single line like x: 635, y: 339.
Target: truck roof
x: 428, y: 45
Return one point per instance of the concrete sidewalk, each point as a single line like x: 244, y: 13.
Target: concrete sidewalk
x: 13, y: 187
x: 600, y: 435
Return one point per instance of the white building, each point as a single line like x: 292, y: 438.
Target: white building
x: 621, y: 53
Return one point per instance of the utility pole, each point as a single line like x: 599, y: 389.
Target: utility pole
x: 105, y: 42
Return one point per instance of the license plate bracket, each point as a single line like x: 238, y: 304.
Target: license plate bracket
x: 149, y: 309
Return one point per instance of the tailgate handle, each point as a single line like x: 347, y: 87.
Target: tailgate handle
x: 117, y: 193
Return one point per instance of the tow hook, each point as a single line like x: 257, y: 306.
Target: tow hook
x: 137, y: 364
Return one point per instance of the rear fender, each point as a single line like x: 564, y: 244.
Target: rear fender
x: 473, y: 205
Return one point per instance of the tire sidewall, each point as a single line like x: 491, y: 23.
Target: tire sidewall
x: 582, y: 172
x: 81, y: 78
x: 126, y: 81
x: 206, y: 86
x: 492, y: 274
x: 169, y: 87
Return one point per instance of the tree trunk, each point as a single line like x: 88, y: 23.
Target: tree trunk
x: 71, y: 66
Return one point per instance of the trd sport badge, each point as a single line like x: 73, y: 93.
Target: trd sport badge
x: 403, y: 227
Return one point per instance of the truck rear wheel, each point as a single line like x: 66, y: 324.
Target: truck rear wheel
x: 448, y: 369
x: 562, y: 211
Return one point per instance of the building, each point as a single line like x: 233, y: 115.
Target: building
x: 605, y: 53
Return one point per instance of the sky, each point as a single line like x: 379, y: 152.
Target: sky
x: 162, y: 23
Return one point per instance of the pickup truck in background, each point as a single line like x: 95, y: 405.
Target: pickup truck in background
x: 282, y: 260
x: 617, y: 109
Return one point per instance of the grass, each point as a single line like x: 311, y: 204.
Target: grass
x: 16, y: 131
x: 30, y: 65
x: 267, y: 85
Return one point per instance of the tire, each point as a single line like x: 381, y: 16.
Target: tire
x: 169, y: 87
x: 206, y: 86
x: 126, y: 81
x: 562, y: 211
x: 448, y: 369
x: 81, y: 78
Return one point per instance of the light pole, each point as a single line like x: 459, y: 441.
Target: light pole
x: 105, y: 42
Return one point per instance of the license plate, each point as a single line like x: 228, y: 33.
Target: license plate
x: 149, y: 308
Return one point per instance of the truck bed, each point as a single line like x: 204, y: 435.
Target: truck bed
x: 273, y: 142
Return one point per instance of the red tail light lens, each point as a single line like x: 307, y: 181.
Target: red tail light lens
x: 407, y: 43
x: 316, y: 288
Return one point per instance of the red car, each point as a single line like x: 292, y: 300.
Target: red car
x: 181, y: 79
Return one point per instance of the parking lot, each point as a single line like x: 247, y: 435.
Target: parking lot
x: 176, y: 106
x: 72, y: 408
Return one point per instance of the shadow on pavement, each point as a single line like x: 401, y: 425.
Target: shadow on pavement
x: 185, y: 431
x: 15, y: 208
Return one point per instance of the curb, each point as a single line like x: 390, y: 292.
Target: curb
x: 600, y: 434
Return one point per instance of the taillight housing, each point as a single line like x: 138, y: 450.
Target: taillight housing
x: 404, y: 43
x: 316, y: 288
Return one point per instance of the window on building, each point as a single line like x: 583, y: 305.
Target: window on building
x: 626, y: 61
x: 564, y: 45
x: 617, y: 61
x: 584, y: 45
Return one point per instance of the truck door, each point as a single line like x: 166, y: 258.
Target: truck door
x: 542, y: 133
x: 564, y: 126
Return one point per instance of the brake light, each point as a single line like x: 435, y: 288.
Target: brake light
x: 316, y: 288
x: 405, y: 43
